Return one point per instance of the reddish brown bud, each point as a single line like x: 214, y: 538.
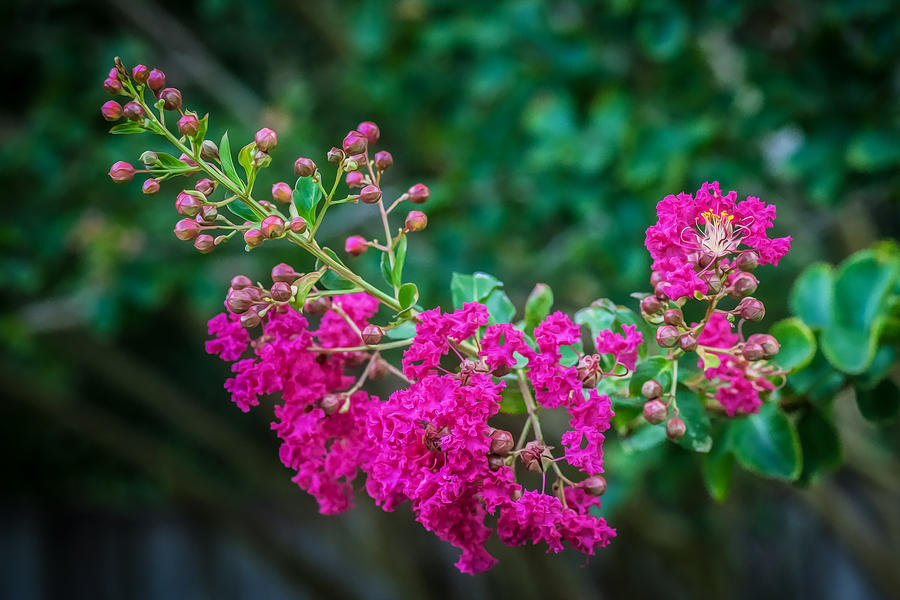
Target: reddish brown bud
x: 151, y: 186
x: 111, y: 110
x: 372, y: 335
x: 416, y: 221
x: 187, y: 205
x: 673, y: 316
x: 239, y: 282
x: 140, y: 73
x: 187, y: 229
x: 651, y: 305
x: 156, y: 80
x: 370, y: 130
x: 651, y: 389
x: 281, y: 291
x: 112, y: 86
x: 370, y: 194
x: 751, y: 351
x: 121, y: 172
x: 133, y: 111
x: 331, y: 403
x: 747, y: 261
x: 751, y: 309
x: 501, y: 371
x: 501, y: 442
x: 533, y: 455
x: 655, y: 411
x: 335, y: 156
x: 250, y: 319
x: 660, y: 291
x: 205, y: 243
x: 205, y: 186
x: 253, y: 237
x: 272, y: 227
x: 378, y: 369
x: 667, y: 336
x: 355, y: 143
x: 304, y: 167
x: 188, y: 125
x: 655, y: 279
x: 768, y: 343
x: 383, y: 160
x: 354, y: 162
x: 594, y: 486
x: 209, y: 150
x: 675, y: 428
x: 284, y: 272
x: 433, y: 435
x: 355, y: 180
x: 265, y: 139
x: 495, y: 463
x: 712, y: 281
x: 171, y: 98
x: 687, y: 342
x: 355, y: 245
x: 239, y: 301
x: 418, y: 193
x: 743, y: 285
x: 282, y: 192
x: 298, y: 225
x: 319, y: 306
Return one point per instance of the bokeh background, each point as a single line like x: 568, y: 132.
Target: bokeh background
x: 547, y: 132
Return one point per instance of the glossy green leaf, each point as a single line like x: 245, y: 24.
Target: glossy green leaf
x: 767, y: 444
x: 399, y: 260
x: 303, y: 285
x: 657, y: 367
x: 201, y: 130
x: 500, y: 307
x: 245, y: 159
x: 169, y: 162
x: 880, y: 404
x: 127, y: 128
x: 820, y: 443
x: 404, y: 331
x: 407, y: 295
x: 538, y: 306
x: 798, y: 344
x: 227, y: 161
x: 717, y: 467
x: 472, y: 288
x: 692, y: 412
x: 596, y: 318
x: 243, y: 212
x: 512, y: 402
x: 307, y: 195
x: 646, y: 437
x: 812, y: 295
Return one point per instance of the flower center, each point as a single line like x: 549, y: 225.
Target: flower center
x: 718, y: 234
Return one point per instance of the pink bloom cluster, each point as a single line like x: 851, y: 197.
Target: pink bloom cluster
x: 623, y: 347
x: 694, y: 231
x: 554, y: 385
x: 740, y: 394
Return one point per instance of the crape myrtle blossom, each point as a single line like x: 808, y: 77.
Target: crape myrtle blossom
x: 623, y: 347
x: 692, y: 232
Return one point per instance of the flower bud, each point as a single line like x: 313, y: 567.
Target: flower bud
x: 594, y: 486
x: 187, y: 160
x: 272, y: 227
x: 156, y: 80
x: 651, y: 389
x: 501, y: 442
x: 354, y: 162
x: 261, y: 159
x: 298, y: 225
x: 111, y: 110
x: 655, y: 411
x: 650, y: 305
x: 112, y: 86
x: 140, y: 73
x: 416, y: 221
x: 383, y: 160
x: 187, y: 205
x: 705, y: 258
x: 370, y: 130
x: 355, y: 143
x: 208, y: 214
x: 250, y: 319
x: 188, y: 125
x: 267, y: 205
x: 355, y: 245
x: 433, y: 435
x: 354, y: 180
x: 495, y: 463
x: 533, y: 455
x: 675, y: 428
x: 187, y: 230
x: 667, y: 336
x: 171, y: 98
x: 319, y: 306
x: 687, y: 342
x: 209, y: 150
x: 239, y: 301
x: 751, y: 309
x: 133, y: 111
x: 655, y: 279
x: 239, y: 282
x: 151, y: 186
x: 370, y: 194
x: 372, y: 335
x: 335, y: 156
x: 752, y: 351
x: 418, y: 193
x: 712, y: 281
x: 769, y: 344
x: 121, y: 172
x: 253, y: 237
x: 149, y: 158
x: 282, y: 192
x: 660, y: 291
x: 743, y: 285
x: 304, y: 167
x: 331, y: 403
x: 673, y: 316
x: 266, y: 139
x: 747, y: 261
x: 281, y: 291
x: 378, y: 369
x: 284, y: 272
x: 205, y: 243
x: 205, y: 186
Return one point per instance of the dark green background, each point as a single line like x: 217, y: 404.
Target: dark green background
x: 547, y: 132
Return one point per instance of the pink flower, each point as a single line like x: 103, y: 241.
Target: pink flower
x: 434, y: 333
x: 498, y: 354
x: 623, y: 347
x: 584, y: 441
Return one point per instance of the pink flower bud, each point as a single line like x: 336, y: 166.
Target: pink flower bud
x: 121, y: 172
x: 282, y: 192
x: 370, y: 194
x: 281, y: 291
x: 673, y: 316
x: 188, y: 125
x: 208, y: 214
x: 355, y: 162
x: 383, y: 160
x: 133, y: 111
x: 747, y: 261
x: 335, y: 156
x: 495, y: 462
x: 151, y: 186
x: 768, y: 343
x: 354, y: 180
x: 187, y: 160
x: 418, y: 193
x: 272, y: 227
x: 594, y: 486
x: 655, y: 279
x: 372, y: 335
x: 111, y: 110
x: 752, y: 352
x: 533, y: 455
x: 250, y: 319
x: 655, y: 411
x: 209, y: 150
x: 667, y: 336
x: 187, y: 205
x: 140, y: 73
x: 187, y: 230
x: 355, y: 245
x: 239, y: 282
x: 304, y: 167
x: 253, y: 237
x: 370, y: 130
x: 316, y: 307
x: 171, y: 98
x: 266, y: 139
x: 112, y: 86
x: 205, y: 186
x: 298, y: 225
x: 205, y: 243
x: 743, y: 285
x: 331, y: 403
x: 501, y: 442
x: 651, y: 389
x: 239, y: 301
x: 284, y: 272
x: 355, y: 143
x: 416, y: 220
x: 687, y: 342
x: 651, y: 305
x: 675, y: 428
x: 751, y: 309
x: 156, y: 80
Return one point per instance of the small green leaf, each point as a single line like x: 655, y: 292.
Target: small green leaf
x: 500, y: 307
x: 646, y: 437
x: 597, y: 319
x: 399, y: 259
x: 245, y: 159
x: 512, y: 402
x: 472, y: 288
x: 538, y: 306
x: 657, y: 367
x: 798, y: 344
x: 820, y: 442
x: 717, y: 467
x: 242, y: 211
x: 227, y: 161
x: 881, y: 404
x: 711, y: 360
x: 811, y: 296
x: 849, y: 349
x: 127, y: 128
x: 403, y: 331
x: 767, y: 444
x: 692, y: 412
x: 201, y: 131
x: 303, y: 285
x: 307, y: 195
x: 407, y: 295
x: 386, y: 269
x: 170, y: 163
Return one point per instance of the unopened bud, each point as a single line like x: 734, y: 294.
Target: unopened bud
x: 752, y: 351
x: 743, y: 285
x: 667, y: 336
x: 140, y: 73
x: 651, y: 305
x: 239, y: 282
x: 171, y: 98
x: 704, y: 259
x: 655, y: 411
x: 712, y: 281
x: 751, y: 309
x: 355, y: 143
x: 370, y: 130
x: 335, y: 156
x: 253, y: 237
x: 261, y: 159
x: 318, y: 306
x: 416, y: 221
x: 280, y: 291
x: 187, y: 230
x: 331, y: 403
x: 151, y: 186
x: 298, y: 225
x: 687, y: 342
x: 209, y: 150
x: 149, y: 158
x: 533, y: 455
x: 121, y: 172
x: 111, y: 110
x: 239, y: 301
x: 282, y: 192
x: 501, y: 371
x: 355, y: 245
x: 495, y: 463
x: 383, y: 160
x: 266, y: 139
x: 112, y: 86
x: 187, y: 205
x: 188, y: 125
x: 272, y: 227
x: 594, y: 486
x: 378, y: 369
x: 355, y: 180
x: 284, y: 272
x: 133, y: 111
x: 673, y: 316
x: 370, y: 194
x: 660, y: 291
x: 747, y: 261
x: 156, y: 80
x: 304, y: 167
x: 651, y: 389
x: 501, y: 442
x: 372, y: 335
x: 208, y: 214
x: 205, y: 243
x: 250, y: 319
x: 418, y: 193
x: 655, y: 279
x: 675, y: 428
x: 768, y: 343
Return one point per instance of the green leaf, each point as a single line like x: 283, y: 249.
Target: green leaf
x: 880, y: 367
x: 798, y: 344
x: 304, y: 284
x: 127, y: 128
x: 472, y: 288
x: 692, y: 412
x: 538, y: 306
x: 711, y: 360
x: 512, y: 402
x: 245, y: 159
x: 399, y: 259
x: 500, y: 307
x: 227, y: 161
x: 812, y: 295
x: 597, y: 319
x: 201, y: 131
x: 767, y: 444
x: 407, y: 295
x: 717, y: 467
x: 646, y: 437
x: 849, y: 349
x: 386, y: 269
x: 307, y: 195
x: 820, y: 442
x: 657, y: 367
x: 331, y: 280
x: 403, y: 331
x: 881, y: 404
x: 170, y: 163
x: 244, y: 212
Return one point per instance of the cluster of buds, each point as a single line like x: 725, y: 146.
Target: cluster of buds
x: 253, y: 301
x: 656, y: 409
